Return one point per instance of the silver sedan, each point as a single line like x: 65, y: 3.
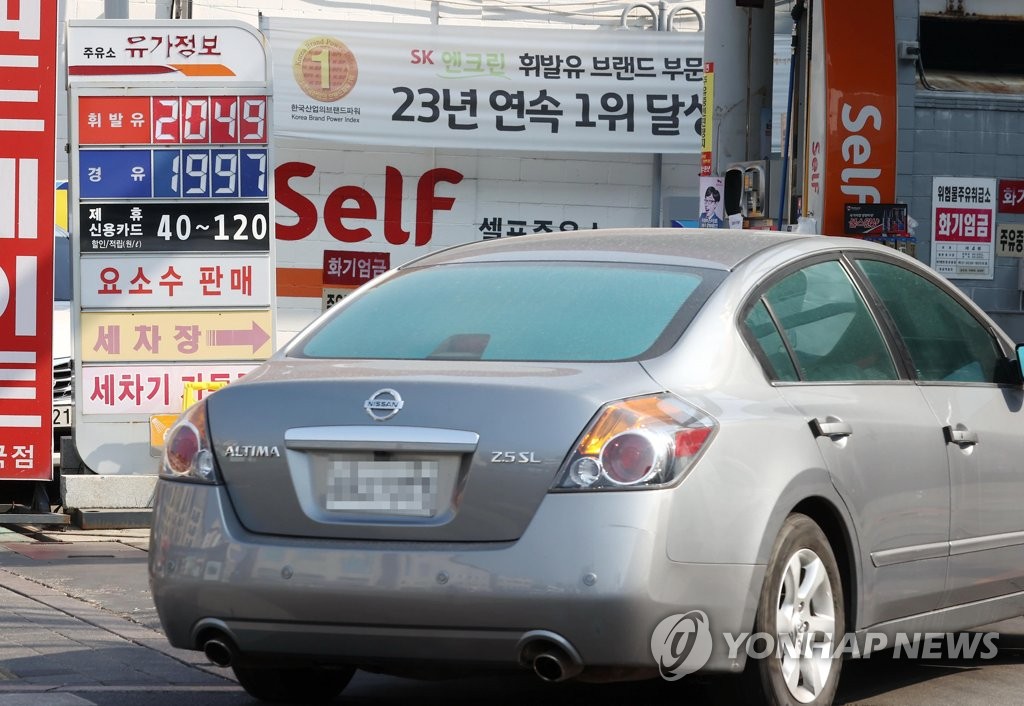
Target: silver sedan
x: 603, y: 455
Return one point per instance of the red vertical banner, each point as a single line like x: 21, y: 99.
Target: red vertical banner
x: 28, y: 80
x: 860, y: 94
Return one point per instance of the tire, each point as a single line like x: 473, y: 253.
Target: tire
x: 802, y: 595
x: 300, y: 685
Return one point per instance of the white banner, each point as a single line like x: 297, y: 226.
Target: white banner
x: 372, y: 83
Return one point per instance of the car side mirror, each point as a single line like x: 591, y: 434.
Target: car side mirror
x: 1020, y: 363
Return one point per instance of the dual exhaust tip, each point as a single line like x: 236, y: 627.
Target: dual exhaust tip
x: 548, y: 654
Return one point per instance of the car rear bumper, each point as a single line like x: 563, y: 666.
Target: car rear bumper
x: 599, y: 580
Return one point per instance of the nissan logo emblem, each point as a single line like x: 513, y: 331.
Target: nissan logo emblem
x: 383, y: 404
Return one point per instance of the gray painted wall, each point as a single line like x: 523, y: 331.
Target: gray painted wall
x: 962, y: 135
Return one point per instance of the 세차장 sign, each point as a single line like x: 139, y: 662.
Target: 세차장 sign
x: 28, y: 70
x: 171, y: 202
x: 963, y: 226
x: 478, y: 87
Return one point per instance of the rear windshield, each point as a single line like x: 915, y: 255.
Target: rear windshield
x: 518, y: 311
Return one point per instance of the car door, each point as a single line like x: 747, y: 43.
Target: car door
x: 822, y: 347
x: 972, y: 388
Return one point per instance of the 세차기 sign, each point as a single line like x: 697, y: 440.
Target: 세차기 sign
x: 148, y: 389
x: 963, y: 227
x: 479, y: 87
x: 172, y: 216
x: 28, y: 63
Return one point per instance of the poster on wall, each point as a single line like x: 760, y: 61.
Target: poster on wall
x: 712, y: 211
x: 963, y: 225
x: 880, y: 220
x: 706, y: 132
x: 1011, y: 195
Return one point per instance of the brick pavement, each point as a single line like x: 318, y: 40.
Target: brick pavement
x: 52, y: 644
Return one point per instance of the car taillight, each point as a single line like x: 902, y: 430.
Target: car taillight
x: 187, y: 451
x: 642, y: 442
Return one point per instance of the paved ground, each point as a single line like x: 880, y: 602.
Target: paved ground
x: 69, y: 620
x: 78, y: 627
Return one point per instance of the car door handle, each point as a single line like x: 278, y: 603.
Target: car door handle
x: 960, y: 437
x: 832, y: 427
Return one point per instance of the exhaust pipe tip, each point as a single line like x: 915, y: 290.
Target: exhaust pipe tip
x: 552, y: 667
x: 218, y: 652
x: 550, y: 655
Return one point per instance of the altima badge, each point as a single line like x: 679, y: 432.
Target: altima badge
x: 383, y: 404
x: 251, y: 451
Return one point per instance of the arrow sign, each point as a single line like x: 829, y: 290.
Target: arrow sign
x: 176, y: 336
x: 254, y: 337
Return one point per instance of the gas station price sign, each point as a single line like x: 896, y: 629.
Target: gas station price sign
x: 172, y: 120
x: 162, y: 173
x: 161, y: 170
x: 170, y: 161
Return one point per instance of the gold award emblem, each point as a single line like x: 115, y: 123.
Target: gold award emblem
x: 325, y: 69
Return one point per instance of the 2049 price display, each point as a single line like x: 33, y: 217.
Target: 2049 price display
x: 209, y: 119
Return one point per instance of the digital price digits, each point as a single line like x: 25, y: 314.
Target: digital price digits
x: 210, y: 119
x: 216, y: 173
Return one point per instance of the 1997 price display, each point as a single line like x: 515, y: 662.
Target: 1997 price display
x: 217, y: 173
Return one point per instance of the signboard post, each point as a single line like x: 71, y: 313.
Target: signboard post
x: 28, y: 75
x: 171, y: 203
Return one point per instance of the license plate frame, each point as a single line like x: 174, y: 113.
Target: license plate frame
x: 405, y: 488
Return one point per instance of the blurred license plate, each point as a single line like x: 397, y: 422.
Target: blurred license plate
x: 386, y: 487
x: 63, y: 415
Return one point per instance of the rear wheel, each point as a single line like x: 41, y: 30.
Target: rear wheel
x: 297, y: 685
x: 801, y: 608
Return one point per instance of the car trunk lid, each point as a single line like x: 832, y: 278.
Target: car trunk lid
x: 405, y: 450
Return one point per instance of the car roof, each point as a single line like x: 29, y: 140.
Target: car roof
x: 720, y: 249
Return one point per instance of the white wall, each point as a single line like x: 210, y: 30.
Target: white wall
x: 607, y: 189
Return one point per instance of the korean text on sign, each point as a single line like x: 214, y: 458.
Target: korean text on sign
x: 28, y: 50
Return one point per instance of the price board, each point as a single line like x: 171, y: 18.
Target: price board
x: 171, y: 162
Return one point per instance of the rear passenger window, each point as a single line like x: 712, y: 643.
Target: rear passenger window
x: 944, y: 341
x: 820, y: 314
